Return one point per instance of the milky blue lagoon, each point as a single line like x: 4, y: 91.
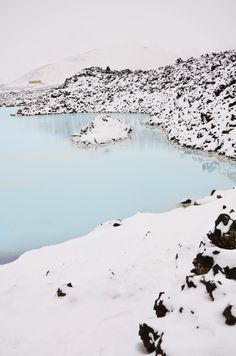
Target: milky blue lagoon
x: 52, y: 191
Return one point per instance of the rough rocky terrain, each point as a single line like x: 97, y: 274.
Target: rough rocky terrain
x: 194, y: 101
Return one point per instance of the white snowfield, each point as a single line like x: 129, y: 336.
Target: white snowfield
x: 86, y: 297
x: 194, y: 101
x: 116, y: 58
x: 102, y: 130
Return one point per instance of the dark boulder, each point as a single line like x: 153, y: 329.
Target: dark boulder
x: 224, y: 218
x: 230, y: 273
x: 148, y: 337
x: 202, y: 264
x: 230, y: 319
x: 151, y: 339
x: 210, y: 287
x: 160, y: 309
x: 60, y: 293
x: 226, y: 240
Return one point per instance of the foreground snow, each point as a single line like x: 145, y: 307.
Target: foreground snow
x: 87, y: 296
x: 102, y: 130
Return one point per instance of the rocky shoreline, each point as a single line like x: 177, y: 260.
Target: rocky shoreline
x: 193, y: 100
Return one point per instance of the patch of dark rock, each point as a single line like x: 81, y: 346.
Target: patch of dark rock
x: 216, y: 269
x: 224, y: 207
x: 159, y: 350
x: 230, y: 273
x: 216, y: 252
x: 205, y: 117
x: 232, y: 104
x: 116, y: 224
x: 224, y: 218
x: 160, y: 309
x: 189, y: 282
x: 181, y: 310
x: 148, y: 337
x: 231, y: 211
x: 225, y: 132
x: 226, y: 241
x: 182, y: 287
x: 47, y: 273
x: 60, y: 293
x: 213, y: 192
x: 69, y: 285
x: 220, y: 89
x: 186, y: 202
x: 230, y: 319
x: 210, y: 287
x: 202, y: 264
x: 219, y: 196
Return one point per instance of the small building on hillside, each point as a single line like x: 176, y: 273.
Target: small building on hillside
x: 35, y: 81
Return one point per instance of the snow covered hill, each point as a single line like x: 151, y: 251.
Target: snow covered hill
x: 116, y: 58
x: 194, y: 101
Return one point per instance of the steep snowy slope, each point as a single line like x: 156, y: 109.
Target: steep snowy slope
x: 116, y: 58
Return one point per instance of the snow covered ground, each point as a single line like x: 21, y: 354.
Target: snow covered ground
x: 88, y: 296
x: 104, y: 129
x: 193, y: 100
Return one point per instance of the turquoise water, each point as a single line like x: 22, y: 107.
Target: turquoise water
x: 52, y: 191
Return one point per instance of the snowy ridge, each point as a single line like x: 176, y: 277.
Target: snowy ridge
x: 102, y: 130
x: 194, y: 101
x: 81, y: 300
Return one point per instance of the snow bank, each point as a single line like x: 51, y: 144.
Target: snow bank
x: 88, y: 296
x: 102, y: 130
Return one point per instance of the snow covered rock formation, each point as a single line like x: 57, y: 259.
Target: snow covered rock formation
x: 203, y: 306
x: 102, y: 130
x: 194, y: 101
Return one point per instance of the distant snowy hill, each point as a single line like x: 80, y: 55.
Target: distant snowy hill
x: 116, y: 58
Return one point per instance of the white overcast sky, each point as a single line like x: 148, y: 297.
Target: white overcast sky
x: 37, y: 32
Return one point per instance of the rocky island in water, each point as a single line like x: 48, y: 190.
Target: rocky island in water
x: 103, y: 130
